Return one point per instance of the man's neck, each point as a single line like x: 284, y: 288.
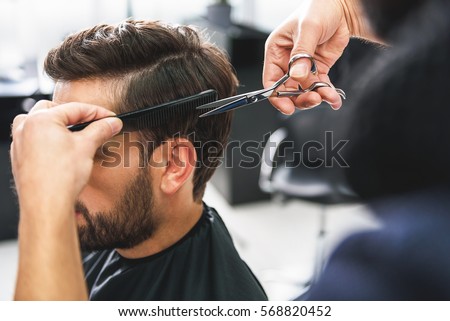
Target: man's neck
x: 177, y: 221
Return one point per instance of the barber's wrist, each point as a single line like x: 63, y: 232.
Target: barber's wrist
x: 44, y: 207
x: 357, y: 20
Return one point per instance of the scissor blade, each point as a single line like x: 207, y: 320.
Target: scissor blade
x: 227, y: 107
x: 221, y: 102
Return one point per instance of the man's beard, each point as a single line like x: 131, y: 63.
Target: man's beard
x: 129, y: 223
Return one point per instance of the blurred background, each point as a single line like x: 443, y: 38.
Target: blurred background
x: 284, y: 221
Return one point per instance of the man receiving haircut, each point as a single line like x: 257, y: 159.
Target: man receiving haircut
x: 142, y: 221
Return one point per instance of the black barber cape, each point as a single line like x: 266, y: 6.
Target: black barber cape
x: 203, y: 265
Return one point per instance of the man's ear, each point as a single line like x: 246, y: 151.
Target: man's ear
x: 179, y: 157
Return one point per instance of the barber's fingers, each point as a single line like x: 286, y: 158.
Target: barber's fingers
x: 279, y: 49
x: 39, y: 106
x: 307, y: 100
x: 104, y: 127
x: 75, y: 113
x: 64, y: 115
x: 284, y: 105
x: 276, y: 60
x: 301, y: 72
x: 314, y: 98
x: 97, y: 133
x: 310, y: 99
x: 275, y: 66
x: 42, y: 105
x: 329, y: 94
x: 308, y: 42
x: 18, y: 121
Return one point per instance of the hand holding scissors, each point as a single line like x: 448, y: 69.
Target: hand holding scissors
x: 250, y: 98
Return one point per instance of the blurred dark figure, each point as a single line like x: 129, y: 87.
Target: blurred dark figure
x: 399, y: 156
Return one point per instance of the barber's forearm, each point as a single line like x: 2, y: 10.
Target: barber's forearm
x: 50, y: 265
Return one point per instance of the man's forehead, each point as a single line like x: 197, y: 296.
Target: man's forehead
x: 89, y: 91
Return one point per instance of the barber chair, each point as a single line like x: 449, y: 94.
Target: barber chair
x: 298, y: 163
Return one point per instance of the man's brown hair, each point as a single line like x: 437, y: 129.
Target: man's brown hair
x: 152, y: 63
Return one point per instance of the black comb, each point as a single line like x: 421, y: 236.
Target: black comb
x: 160, y: 114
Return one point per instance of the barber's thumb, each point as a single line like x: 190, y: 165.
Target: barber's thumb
x: 101, y: 130
x: 300, y: 69
x: 115, y: 124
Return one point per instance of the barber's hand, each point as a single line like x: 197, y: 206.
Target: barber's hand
x: 320, y: 28
x: 51, y: 165
x: 49, y: 162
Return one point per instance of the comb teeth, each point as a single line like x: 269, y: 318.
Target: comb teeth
x: 161, y: 114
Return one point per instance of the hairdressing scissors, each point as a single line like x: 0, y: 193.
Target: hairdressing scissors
x: 231, y: 103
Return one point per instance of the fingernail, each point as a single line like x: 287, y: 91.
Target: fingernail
x: 335, y: 106
x: 115, y: 123
x: 287, y: 112
x: 310, y: 106
x: 299, y: 70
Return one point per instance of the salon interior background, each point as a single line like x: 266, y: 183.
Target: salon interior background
x: 28, y: 28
